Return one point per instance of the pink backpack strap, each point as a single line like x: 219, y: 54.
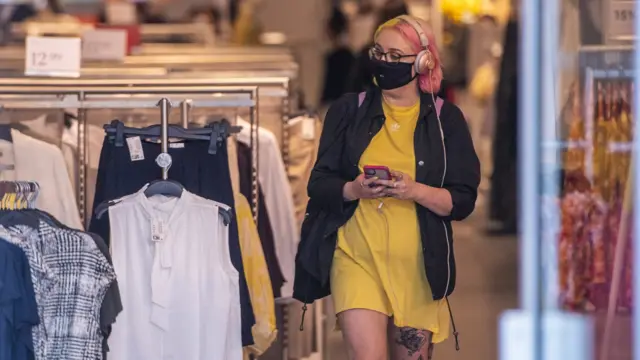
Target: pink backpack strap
x: 361, y: 97
x: 439, y: 103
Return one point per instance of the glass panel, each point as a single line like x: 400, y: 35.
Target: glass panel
x: 585, y: 103
x: 595, y: 274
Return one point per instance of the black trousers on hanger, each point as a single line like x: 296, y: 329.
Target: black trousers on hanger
x: 198, y: 171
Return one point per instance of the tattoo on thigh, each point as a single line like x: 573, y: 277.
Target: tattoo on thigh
x: 412, y: 339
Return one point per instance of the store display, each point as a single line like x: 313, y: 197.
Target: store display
x: 256, y: 241
x: 596, y: 165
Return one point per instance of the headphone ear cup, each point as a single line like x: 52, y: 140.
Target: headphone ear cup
x: 420, y: 64
x: 429, y: 61
x: 424, y: 62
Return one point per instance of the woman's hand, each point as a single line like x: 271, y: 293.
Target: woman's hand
x: 360, y: 189
x: 402, y: 186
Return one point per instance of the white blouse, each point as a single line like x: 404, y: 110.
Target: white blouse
x: 179, y: 289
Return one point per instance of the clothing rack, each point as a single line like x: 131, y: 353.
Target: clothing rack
x: 95, y: 97
x: 198, y: 32
x: 96, y: 93
x: 280, y: 86
x: 18, y: 195
x: 592, y: 75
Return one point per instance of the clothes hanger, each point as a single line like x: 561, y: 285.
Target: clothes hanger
x: 118, y: 130
x: 226, y: 215
x: 214, y: 133
x: 165, y: 187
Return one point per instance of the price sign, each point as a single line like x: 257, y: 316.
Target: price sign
x: 104, y: 44
x: 620, y: 18
x: 52, y: 56
x: 120, y: 13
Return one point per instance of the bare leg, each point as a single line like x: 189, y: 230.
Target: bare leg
x: 365, y: 333
x: 410, y: 344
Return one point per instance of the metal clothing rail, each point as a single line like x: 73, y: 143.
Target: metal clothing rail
x: 200, y: 32
x: 165, y: 106
x: 264, y: 85
x: 17, y: 97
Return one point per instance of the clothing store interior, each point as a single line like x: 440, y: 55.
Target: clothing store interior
x: 112, y: 98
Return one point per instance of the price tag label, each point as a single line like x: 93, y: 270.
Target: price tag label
x: 620, y: 20
x: 309, y: 128
x: 52, y: 56
x: 104, y: 44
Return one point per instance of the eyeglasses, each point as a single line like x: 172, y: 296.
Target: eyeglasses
x: 391, y: 56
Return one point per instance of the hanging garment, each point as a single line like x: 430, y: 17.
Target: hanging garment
x: 278, y: 199
x: 190, y: 308
x: 112, y: 303
x: 198, y: 171
x: 48, y: 130
x: 255, y: 267
x: 92, y: 160
x: 234, y: 171
x: 70, y: 279
x: 303, y: 150
x: 18, y: 308
x: 42, y: 128
x: 264, y: 224
x: 37, y: 161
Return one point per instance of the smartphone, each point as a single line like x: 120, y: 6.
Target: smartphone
x: 381, y: 172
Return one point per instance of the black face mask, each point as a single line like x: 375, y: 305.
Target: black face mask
x: 391, y: 75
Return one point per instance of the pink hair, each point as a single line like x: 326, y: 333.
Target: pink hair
x: 429, y: 81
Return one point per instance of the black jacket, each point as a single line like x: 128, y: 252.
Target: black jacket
x: 346, y: 134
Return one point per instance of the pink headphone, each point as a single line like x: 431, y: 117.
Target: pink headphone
x: 424, y: 59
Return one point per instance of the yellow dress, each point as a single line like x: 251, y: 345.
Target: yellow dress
x: 378, y: 263
x: 255, y: 270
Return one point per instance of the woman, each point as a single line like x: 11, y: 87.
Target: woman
x: 361, y: 77
x: 339, y: 61
x: 384, y: 249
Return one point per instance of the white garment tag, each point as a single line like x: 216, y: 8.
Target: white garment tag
x: 135, y: 148
x: 176, y: 145
x: 157, y: 230
x: 308, y: 128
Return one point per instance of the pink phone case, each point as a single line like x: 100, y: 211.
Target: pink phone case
x: 381, y: 172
